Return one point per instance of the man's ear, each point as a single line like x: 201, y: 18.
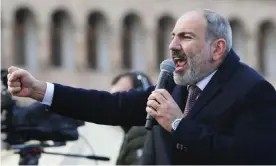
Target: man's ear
x: 218, y: 49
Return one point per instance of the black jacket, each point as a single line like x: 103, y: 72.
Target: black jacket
x: 132, y: 147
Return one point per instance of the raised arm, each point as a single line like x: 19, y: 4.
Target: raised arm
x: 126, y: 108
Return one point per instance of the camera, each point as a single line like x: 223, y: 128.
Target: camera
x: 36, y: 122
x: 33, y: 122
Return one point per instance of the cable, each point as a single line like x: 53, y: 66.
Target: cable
x: 89, y: 145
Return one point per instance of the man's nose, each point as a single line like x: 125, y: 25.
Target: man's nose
x: 175, y: 45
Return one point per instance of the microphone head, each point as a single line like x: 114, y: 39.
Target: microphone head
x: 167, y: 65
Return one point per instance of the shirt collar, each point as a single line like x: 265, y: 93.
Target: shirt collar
x: 203, y: 83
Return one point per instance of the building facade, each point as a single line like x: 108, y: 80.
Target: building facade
x: 85, y: 43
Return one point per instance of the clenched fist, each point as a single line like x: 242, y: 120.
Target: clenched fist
x: 22, y: 84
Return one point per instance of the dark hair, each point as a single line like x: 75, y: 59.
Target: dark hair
x: 140, y: 80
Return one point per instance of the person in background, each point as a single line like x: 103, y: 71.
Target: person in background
x: 133, y: 143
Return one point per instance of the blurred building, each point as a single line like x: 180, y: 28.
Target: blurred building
x: 85, y: 43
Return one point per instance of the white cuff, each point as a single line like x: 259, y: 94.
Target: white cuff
x: 175, y: 123
x: 47, y: 100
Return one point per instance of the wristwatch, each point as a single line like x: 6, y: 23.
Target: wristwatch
x: 175, y: 123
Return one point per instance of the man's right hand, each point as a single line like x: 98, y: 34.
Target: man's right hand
x: 22, y: 84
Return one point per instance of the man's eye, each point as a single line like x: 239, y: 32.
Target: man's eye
x: 187, y: 37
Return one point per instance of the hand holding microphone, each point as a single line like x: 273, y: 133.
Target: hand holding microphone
x: 161, y: 105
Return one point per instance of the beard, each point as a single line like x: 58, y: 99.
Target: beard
x: 198, y: 66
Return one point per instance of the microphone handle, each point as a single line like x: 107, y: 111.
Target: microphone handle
x: 149, y: 121
x: 161, y: 83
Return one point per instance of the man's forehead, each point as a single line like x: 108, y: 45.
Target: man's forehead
x: 190, y: 21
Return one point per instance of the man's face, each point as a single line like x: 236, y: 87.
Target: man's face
x: 190, y: 51
x: 123, y: 84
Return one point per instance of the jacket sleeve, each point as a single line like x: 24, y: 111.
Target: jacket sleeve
x: 253, y: 140
x: 101, y: 107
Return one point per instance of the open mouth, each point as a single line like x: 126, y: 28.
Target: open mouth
x: 180, y: 64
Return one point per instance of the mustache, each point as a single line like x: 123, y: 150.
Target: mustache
x: 179, y: 54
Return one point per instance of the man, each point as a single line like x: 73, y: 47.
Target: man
x: 220, y: 112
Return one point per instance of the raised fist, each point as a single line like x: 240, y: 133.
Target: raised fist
x: 22, y: 84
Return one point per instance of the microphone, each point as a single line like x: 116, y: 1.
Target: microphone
x: 167, y: 68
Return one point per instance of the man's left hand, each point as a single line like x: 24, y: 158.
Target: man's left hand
x: 163, y: 108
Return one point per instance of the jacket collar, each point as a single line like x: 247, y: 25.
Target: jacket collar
x: 224, y: 72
